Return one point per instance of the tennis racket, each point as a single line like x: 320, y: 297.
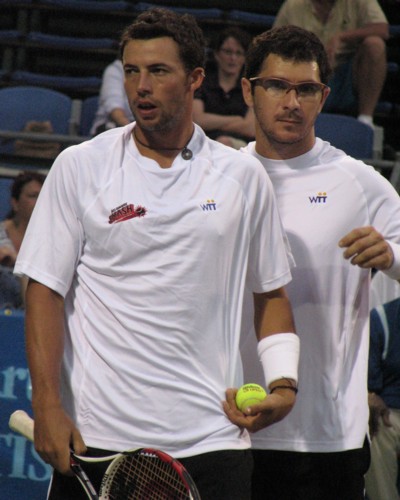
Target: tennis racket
x: 140, y: 474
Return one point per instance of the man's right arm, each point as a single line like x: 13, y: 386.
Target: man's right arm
x: 55, y: 432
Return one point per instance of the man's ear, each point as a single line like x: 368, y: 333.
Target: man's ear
x: 196, y: 78
x: 247, y: 94
x: 325, y: 94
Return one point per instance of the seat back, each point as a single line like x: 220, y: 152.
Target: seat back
x: 18, y: 105
x: 347, y: 133
x: 5, y: 196
x: 88, y: 112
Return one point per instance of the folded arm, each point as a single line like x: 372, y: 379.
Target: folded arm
x: 235, y: 124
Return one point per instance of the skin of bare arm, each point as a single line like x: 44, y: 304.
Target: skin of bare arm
x: 119, y: 117
x: 229, y: 123
x: 367, y: 248
x: 380, y: 30
x: 55, y: 433
x: 273, y: 315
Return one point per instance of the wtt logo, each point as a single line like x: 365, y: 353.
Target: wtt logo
x: 320, y: 198
x: 210, y: 205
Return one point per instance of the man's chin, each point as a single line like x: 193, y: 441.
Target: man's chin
x: 288, y: 137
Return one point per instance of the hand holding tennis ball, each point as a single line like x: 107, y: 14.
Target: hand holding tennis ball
x: 249, y: 394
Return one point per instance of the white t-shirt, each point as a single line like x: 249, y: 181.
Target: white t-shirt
x: 322, y: 195
x: 152, y: 263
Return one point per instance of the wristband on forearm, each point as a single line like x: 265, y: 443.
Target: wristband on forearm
x: 279, y: 356
x: 288, y: 386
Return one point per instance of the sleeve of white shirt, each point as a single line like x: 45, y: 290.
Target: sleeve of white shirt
x: 394, y: 271
x: 383, y: 204
x: 270, y: 257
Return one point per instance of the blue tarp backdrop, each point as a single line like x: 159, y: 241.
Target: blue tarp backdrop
x: 23, y: 475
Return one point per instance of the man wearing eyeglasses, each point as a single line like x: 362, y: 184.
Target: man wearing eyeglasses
x: 342, y: 218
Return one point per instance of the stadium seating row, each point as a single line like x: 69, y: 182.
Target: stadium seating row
x: 71, y: 120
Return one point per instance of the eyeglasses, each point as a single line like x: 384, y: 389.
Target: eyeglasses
x: 306, y: 91
x: 230, y: 53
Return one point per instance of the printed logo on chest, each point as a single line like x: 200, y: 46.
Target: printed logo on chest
x: 320, y: 197
x: 125, y: 212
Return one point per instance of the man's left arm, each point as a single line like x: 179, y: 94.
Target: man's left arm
x: 278, y: 349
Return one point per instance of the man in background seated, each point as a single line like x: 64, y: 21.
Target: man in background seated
x: 354, y: 34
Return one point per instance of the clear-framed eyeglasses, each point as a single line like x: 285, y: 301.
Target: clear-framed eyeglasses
x: 277, y: 88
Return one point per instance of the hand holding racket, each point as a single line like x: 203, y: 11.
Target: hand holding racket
x: 139, y: 474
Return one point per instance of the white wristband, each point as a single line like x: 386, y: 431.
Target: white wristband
x: 279, y: 356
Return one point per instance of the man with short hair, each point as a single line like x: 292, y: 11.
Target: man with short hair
x: 138, y: 253
x: 342, y: 218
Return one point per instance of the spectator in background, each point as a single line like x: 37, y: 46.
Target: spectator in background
x: 219, y: 107
x: 354, y: 34
x: 114, y: 110
x: 24, y: 192
x: 384, y: 401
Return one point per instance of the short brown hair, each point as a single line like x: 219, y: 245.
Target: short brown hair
x: 182, y: 28
x: 291, y: 43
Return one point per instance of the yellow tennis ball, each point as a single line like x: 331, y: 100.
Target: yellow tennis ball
x: 249, y: 394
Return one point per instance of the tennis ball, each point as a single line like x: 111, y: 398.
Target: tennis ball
x: 249, y: 394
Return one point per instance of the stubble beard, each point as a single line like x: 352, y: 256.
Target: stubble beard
x: 167, y: 122
x: 272, y: 137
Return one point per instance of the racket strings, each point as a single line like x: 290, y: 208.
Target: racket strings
x: 145, y: 476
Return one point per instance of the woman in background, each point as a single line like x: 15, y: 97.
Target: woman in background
x: 24, y: 193
x: 219, y: 107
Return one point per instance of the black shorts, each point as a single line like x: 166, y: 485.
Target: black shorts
x: 219, y: 475
x: 285, y: 475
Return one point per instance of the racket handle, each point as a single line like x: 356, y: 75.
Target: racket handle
x: 22, y: 423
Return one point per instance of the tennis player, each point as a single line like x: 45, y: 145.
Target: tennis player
x: 138, y: 255
x: 342, y: 218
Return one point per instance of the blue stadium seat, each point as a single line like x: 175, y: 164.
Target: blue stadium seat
x: 90, y: 5
x: 58, y: 82
x: 18, y: 105
x: 10, y: 35
x: 252, y: 18
x: 88, y: 111
x: 5, y: 195
x: 70, y: 42
x: 347, y: 133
